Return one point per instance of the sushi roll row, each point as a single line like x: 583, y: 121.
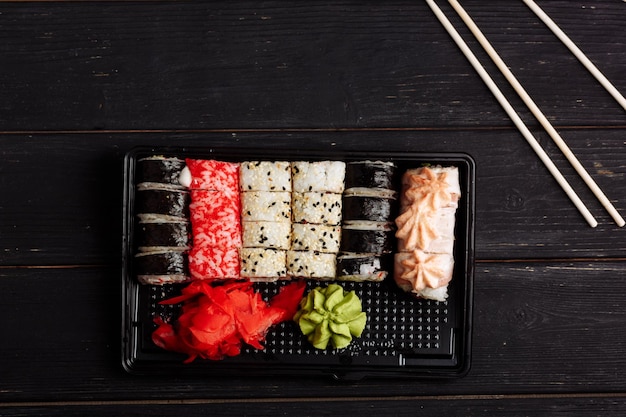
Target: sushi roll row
x: 215, y: 218
x: 266, y: 219
x: 424, y: 262
x: 291, y: 213
x: 271, y: 220
x: 316, y: 219
x: 369, y: 207
x: 162, y: 230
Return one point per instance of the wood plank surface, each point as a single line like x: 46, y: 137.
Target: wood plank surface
x: 70, y: 212
x: 84, y: 82
x: 408, y: 406
x: 537, y: 328
x: 195, y: 65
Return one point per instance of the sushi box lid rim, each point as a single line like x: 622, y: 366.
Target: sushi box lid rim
x: 130, y: 362
x: 234, y: 154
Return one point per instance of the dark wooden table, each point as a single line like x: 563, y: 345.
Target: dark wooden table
x: 83, y: 82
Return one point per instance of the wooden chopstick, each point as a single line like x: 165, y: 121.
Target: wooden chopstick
x: 577, y: 52
x: 537, y: 113
x: 512, y: 114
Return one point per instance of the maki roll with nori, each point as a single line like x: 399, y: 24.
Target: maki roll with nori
x: 161, y: 267
x: 378, y: 175
x: 161, y: 232
x: 362, y: 267
x: 368, y: 237
x: 369, y: 207
x: 167, y: 203
x: 151, y: 236
x: 161, y: 170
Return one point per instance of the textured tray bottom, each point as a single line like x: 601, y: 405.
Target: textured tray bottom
x: 399, y: 327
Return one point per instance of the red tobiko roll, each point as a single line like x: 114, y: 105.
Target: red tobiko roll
x: 216, y: 320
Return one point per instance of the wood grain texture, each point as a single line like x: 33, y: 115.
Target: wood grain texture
x: 66, y: 189
x: 538, y: 328
x: 83, y: 82
x: 191, y: 65
x: 393, y: 406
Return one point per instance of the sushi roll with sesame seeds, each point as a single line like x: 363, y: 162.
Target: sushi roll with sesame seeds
x: 325, y: 176
x: 265, y: 176
x: 317, y: 208
x: 311, y: 264
x: 316, y: 237
x: 261, y: 264
x: 271, y: 235
x: 266, y: 206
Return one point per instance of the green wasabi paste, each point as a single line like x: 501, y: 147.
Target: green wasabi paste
x: 331, y: 315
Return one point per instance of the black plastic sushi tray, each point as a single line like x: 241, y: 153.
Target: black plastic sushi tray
x: 404, y: 336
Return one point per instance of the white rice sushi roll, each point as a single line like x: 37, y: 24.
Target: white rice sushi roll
x: 316, y: 237
x: 272, y: 235
x: 317, y: 208
x: 265, y: 176
x: 325, y: 176
x: 266, y: 206
x: 311, y: 264
x: 260, y: 264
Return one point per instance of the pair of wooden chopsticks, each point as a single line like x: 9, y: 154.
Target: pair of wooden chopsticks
x: 531, y: 105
